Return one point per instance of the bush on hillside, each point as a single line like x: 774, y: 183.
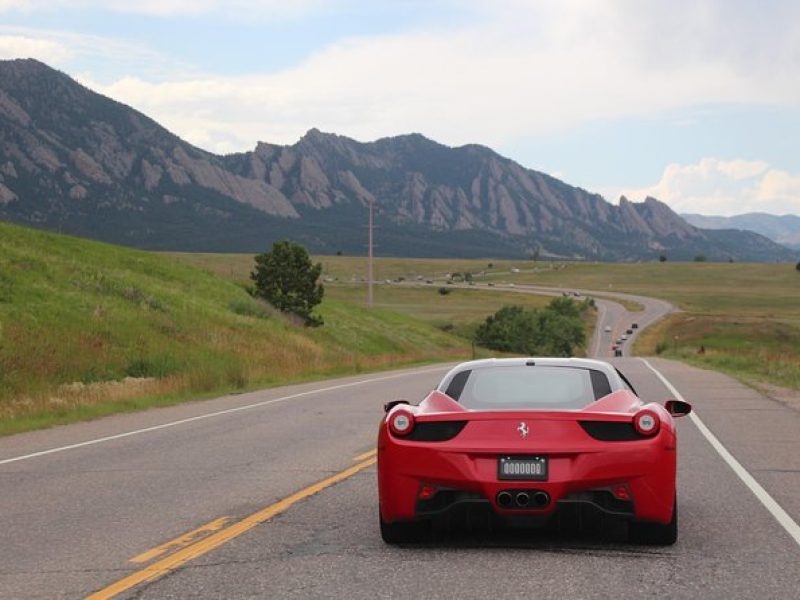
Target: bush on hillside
x: 556, y: 330
x: 286, y: 278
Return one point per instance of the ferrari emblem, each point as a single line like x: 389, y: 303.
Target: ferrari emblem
x: 523, y: 430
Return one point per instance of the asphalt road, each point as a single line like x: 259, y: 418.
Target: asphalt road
x: 80, y: 502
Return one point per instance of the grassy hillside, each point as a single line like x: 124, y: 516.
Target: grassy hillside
x: 460, y: 311
x: 88, y: 328
x: 746, y: 317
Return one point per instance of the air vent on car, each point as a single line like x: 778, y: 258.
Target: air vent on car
x: 611, y: 431
x: 436, y: 431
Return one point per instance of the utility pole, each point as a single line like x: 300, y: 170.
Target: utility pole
x: 369, y: 261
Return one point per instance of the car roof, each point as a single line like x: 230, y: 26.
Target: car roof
x: 580, y: 363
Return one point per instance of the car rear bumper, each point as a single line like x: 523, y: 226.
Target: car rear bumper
x: 592, y: 479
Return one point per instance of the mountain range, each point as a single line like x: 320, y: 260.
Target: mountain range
x: 783, y: 229
x: 76, y: 161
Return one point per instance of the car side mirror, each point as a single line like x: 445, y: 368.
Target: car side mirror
x: 678, y: 408
x: 390, y: 405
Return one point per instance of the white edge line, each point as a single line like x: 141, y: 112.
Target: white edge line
x: 791, y: 527
x: 211, y: 415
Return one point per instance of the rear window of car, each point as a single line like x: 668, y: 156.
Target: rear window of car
x: 528, y: 387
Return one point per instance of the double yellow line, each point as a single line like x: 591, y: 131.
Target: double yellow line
x: 220, y: 534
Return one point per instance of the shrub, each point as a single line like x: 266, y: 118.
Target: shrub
x: 286, y: 278
x: 553, y: 331
x: 444, y: 291
x: 249, y: 308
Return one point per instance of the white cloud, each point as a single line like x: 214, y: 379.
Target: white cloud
x: 20, y: 46
x: 719, y: 187
x: 525, y: 69
x: 164, y: 8
x: 101, y: 54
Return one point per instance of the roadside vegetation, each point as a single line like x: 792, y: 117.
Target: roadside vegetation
x: 87, y: 329
x: 761, y: 351
x: 745, y: 316
x: 287, y: 280
x: 556, y: 330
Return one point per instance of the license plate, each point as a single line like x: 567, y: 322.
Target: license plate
x: 532, y: 468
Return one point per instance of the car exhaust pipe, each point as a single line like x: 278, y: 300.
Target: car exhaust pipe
x: 541, y: 499
x: 504, y: 499
x: 523, y: 499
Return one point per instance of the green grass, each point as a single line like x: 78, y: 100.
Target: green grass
x: 751, y: 349
x: 459, y: 312
x: 88, y: 328
x: 746, y: 315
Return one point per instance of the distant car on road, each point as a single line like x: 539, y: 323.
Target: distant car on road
x: 635, y: 326
x: 529, y: 441
x: 629, y: 331
x: 607, y: 329
x: 618, y: 352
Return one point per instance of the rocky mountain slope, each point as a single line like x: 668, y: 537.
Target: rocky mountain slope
x: 784, y: 229
x: 78, y: 162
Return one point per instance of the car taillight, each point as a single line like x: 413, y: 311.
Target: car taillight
x: 646, y: 422
x: 401, y: 422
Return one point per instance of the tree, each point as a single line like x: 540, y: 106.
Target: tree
x: 553, y: 331
x: 566, y: 306
x: 797, y: 267
x: 286, y: 278
x: 700, y: 258
x: 662, y: 258
x: 508, y: 330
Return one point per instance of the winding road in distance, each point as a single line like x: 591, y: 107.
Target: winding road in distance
x: 272, y: 494
x: 609, y: 313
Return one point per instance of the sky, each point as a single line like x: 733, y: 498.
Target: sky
x: 693, y: 102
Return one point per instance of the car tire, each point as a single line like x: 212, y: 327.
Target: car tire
x: 404, y: 532
x: 655, y: 534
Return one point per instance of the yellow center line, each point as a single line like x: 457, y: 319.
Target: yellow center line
x: 181, y: 541
x: 176, y: 560
x: 365, y: 455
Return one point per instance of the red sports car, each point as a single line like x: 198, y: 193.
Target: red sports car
x: 529, y: 440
